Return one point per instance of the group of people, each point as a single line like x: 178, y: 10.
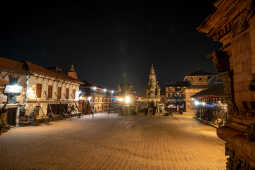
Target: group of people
x: 151, y: 106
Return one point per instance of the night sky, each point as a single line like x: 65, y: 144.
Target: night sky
x: 108, y: 42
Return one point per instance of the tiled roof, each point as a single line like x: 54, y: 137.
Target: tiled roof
x: 198, y: 87
x: 27, y: 67
x: 33, y: 68
x: 88, y: 84
x: 178, y: 84
x: 11, y: 65
x: 213, y: 91
x: 199, y: 73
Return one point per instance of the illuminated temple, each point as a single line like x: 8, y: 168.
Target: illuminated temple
x: 152, y: 91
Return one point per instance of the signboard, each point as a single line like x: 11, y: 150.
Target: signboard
x: 13, y: 89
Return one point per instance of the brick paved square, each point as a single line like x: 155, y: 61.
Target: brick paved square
x: 113, y: 142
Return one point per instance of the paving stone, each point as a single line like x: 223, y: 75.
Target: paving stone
x: 114, y: 142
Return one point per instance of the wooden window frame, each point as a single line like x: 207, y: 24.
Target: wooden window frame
x: 67, y: 93
x: 59, y: 92
x: 50, y: 91
x: 74, y: 91
x: 38, y: 90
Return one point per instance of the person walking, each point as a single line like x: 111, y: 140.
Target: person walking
x: 154, y: 109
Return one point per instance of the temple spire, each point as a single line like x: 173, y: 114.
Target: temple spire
x: 152, y: 71
x: 72, y: 68
x: 152, y: 89
x: 72, y: 73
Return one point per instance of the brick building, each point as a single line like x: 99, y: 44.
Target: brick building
x: 182, y: 91
x: 233, y: 25
x: 198, y: 81
x: 97, y: 97
x: 175, y: 94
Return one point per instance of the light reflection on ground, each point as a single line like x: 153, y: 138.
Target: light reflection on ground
x: 108, y: 141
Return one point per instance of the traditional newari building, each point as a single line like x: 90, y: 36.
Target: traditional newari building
x: 152, y: 91
x: 198, y: 81
x: 43, y: 90
x: 179, y: 92
x: 233, y: 25
x: 210, y: 104
x: 175, y: 93
x: 95, y: 98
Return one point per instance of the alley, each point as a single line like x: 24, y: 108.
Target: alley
x: 113, y: 142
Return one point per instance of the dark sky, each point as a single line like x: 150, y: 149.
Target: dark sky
x: 106, y: 41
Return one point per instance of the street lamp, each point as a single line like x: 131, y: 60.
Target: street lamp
x: 127, y: 99
x: 94, y: 88
x: 197, y: 103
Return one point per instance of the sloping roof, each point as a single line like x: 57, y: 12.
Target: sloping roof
x: 198, y: 87
x: 33, y: 68
x: 178, y: 84
x: 89, y: 84
x: 11, y: 65
x: 27, y: 67
x: 199, y: 73
x: 213, y: 91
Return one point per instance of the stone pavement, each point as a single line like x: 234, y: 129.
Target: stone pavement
x: 113, y: 142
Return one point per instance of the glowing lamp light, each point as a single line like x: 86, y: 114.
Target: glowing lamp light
x: 81, y: 98
x: 14, y: 88
x: 197, y: 103
x: 127, y: 99
x: 203, y: 103
x: 89, y: 98
x: 94, y: 88
x: 120, y: 99
x: 77, y: 95
x: 105, y: 90
x: 112, y: 91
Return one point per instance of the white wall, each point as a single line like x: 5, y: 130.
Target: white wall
x: 44, y: 101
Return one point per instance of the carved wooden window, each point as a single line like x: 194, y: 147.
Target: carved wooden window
x: 59, y: 92
x: 73, y: 95
x: 38, y: 90
x: 67, y: 93
x: 50, y: 92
